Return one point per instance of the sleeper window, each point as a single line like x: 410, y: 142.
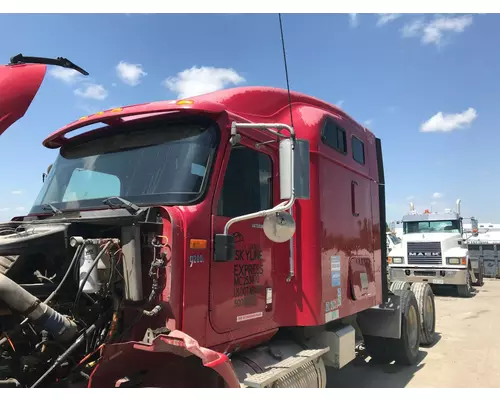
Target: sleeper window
x: 358, y: 150
x: 334, y: 136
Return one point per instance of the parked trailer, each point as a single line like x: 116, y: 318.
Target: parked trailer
x: 484, y: 255
x: 200, y: 243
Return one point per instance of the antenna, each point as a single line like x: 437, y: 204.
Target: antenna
x: 286, y: 70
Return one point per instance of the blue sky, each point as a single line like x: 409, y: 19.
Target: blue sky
x: 394, y: 73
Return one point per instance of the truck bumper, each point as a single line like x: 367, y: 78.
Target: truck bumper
x: 160, y: 362
x: 436, y: 275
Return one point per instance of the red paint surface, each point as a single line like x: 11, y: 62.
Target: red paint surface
x: 18, y: 86
x: 200, y: 297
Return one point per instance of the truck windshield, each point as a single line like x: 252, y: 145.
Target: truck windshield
x: 451, y: 226
x: 394, y: 239
x: 160, y: 163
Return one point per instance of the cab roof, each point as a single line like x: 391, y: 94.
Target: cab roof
x: 253, y: 104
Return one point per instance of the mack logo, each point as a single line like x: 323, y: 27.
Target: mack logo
x: 425, y: 254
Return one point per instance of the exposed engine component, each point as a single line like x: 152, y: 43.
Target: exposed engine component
x: 24, y: 303
x: 63, y: 289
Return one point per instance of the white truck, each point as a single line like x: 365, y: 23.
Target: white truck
x: 434, y: 250
x: 392, y: 241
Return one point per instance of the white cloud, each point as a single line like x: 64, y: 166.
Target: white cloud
x: 20, y: 208
x: 437, y: 195
x: 17, y: 192
x: 195, y: 81
x: 410, y: 198
x: 4, y: 209
x: 386, y: 18
x: 413, y: 28
x: 92, y: 91
x: 432, y: 32
x: 368, y: 122
x: 69, y: 76
x: 448, y: 122
x: 353, y: 20
x: 130, y: 74
x: 340, y: 103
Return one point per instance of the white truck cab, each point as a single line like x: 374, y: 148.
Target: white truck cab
x: 392, y: 241
x: 433, y: 250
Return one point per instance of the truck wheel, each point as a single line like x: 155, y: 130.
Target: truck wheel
x: 479, y: 277
x: 465, y: 290
x: 426, y: 306
x: 400, y: 285
x: 405, y: 349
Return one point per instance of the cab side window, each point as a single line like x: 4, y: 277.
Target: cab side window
x: 247, y: 184
x: 334, y: 136
x: 358, y: 150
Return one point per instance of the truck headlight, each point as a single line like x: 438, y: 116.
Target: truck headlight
x: 456, y: 260
x: 396, y: 260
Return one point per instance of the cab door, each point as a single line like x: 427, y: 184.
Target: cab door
x: 241, y: 290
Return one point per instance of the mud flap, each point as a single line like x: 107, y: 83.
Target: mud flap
x: 383, y: 320
x: 473, y: 276
x: 146, y: 364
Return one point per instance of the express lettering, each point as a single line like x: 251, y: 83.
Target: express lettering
x: 247, y: 274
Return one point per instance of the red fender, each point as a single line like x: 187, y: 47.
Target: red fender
x: 158, y: 364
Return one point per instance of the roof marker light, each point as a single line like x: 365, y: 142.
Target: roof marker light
x: 184, y: 102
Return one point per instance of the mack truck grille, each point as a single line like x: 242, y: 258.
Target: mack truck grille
x: 425, y: 253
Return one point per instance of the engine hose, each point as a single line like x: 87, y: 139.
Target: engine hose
x: 73, y: 261
x: 46, y: 301
x: 66, y: 354
x: 23, y: 302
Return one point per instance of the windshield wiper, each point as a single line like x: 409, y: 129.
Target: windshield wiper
x: 59, y: 61
x: 50, y: 207
x: 131, y: 207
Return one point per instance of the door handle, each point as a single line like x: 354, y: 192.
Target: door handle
x: 354, y: 184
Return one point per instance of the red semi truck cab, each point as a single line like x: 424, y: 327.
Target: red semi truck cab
x: 260, y: 226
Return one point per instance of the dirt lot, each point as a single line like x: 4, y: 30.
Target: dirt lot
x: 466, y: 353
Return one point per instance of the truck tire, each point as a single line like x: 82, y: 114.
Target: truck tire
x: 479, y: 277
x: 403, y: 351
x: 426, y: 307
x: 465, y: 290
x: 400, y: 285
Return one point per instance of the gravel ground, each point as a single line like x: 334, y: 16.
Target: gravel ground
x: 465, y: 354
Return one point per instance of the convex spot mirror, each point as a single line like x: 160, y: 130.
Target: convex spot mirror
x: 279, y: 227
